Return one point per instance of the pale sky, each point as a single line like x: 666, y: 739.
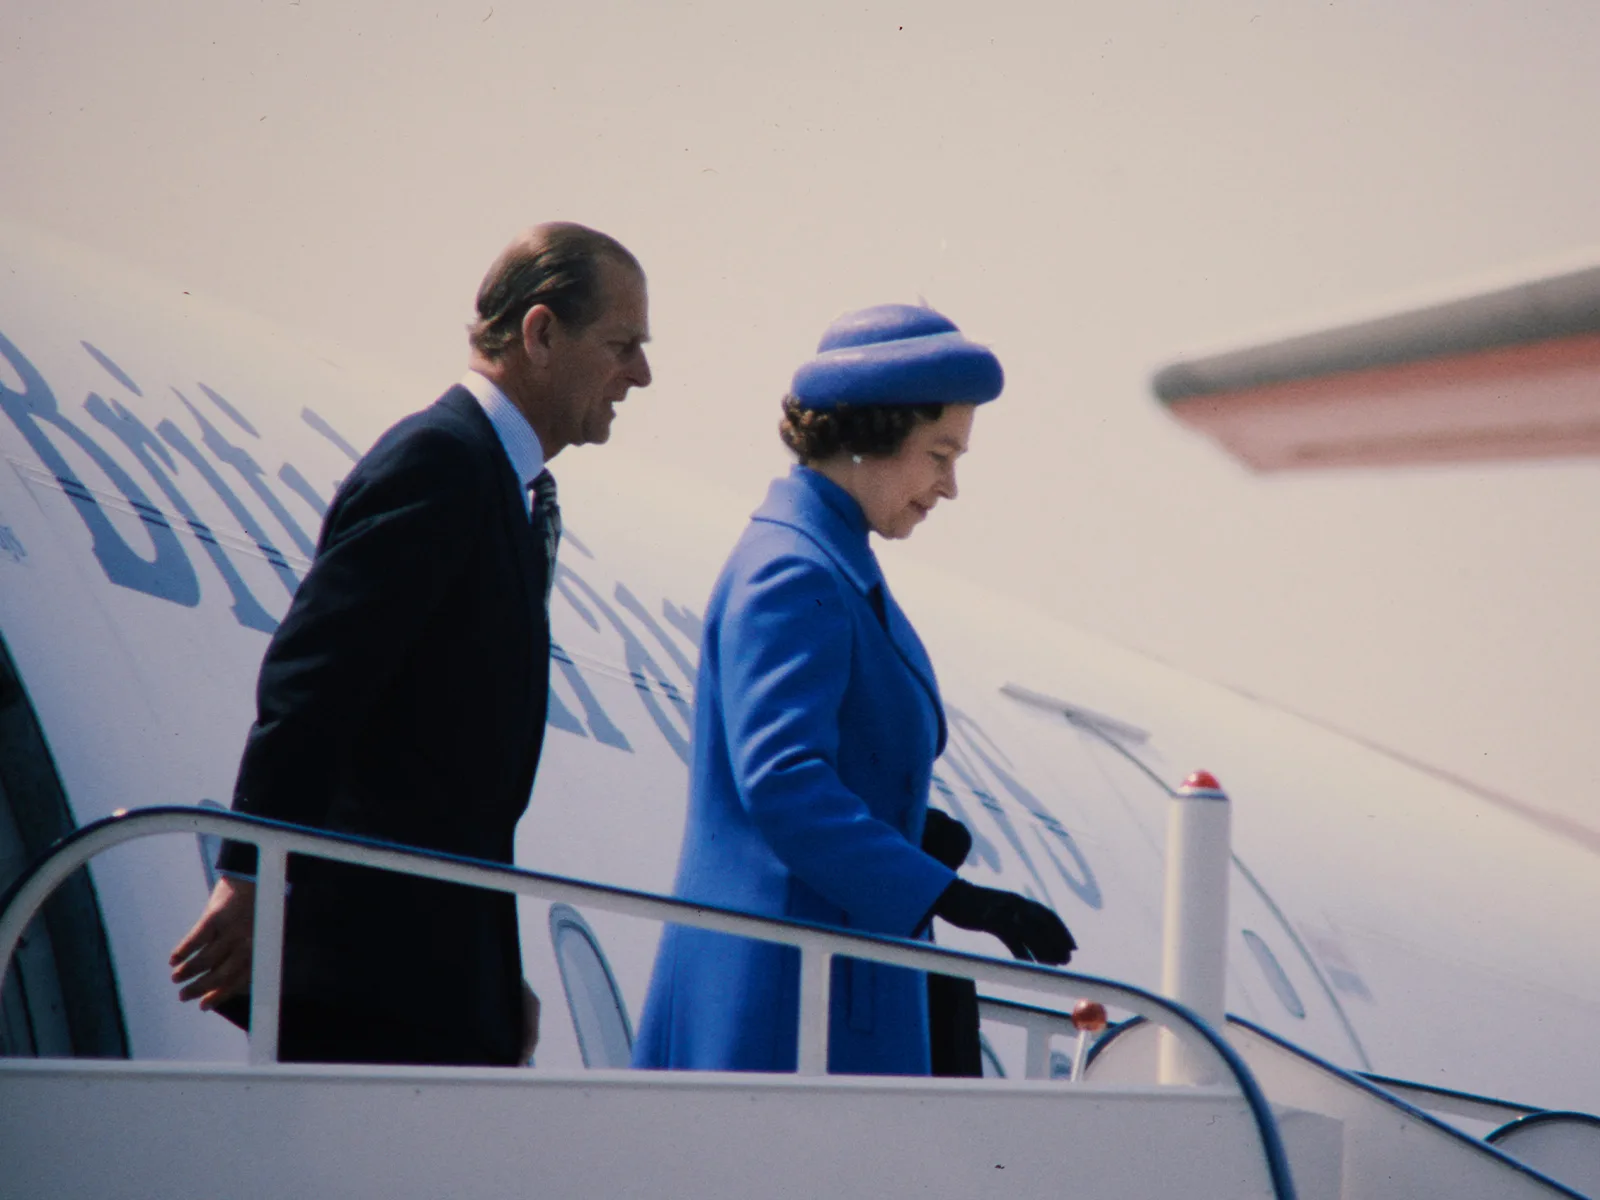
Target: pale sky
x: 1091, y: 188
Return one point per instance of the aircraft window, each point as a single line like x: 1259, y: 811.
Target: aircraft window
x: 1270, y: 967
x: 991, y: 1061
x: 599, y: 1016
x: 60, y: 996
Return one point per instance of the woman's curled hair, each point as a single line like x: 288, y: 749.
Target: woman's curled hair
x: 878, y: 430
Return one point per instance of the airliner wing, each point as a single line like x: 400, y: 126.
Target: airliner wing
x: 1512, y: 373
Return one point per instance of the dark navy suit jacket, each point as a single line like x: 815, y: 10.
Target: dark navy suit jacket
x: 817, y: 722
x: 404, y: 697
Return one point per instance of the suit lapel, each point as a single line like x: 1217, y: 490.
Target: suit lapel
x: 526, y: 549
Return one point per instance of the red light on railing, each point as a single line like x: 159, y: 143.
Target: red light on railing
x: 1089, y: 1016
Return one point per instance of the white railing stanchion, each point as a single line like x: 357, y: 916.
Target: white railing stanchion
x: 816, y: 971
x: 266, y: 960
x: 1036, y: 1062
x: 1194, y: 940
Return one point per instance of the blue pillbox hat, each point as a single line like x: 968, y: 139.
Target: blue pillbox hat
x: 897, y: 354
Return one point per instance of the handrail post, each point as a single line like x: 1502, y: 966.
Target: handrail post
x: 816, y: 972
x: 1036, y: 1060
x: 266, y: 960
x: 1194, y: 950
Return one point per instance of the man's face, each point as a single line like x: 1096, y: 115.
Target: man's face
x: 592, y: 370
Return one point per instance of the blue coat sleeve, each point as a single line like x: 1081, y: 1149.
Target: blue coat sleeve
x: 785, y: 651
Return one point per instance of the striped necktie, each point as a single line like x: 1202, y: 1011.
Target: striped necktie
x: 546, y: 515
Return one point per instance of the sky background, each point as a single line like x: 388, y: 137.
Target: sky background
x: 1091, y: 188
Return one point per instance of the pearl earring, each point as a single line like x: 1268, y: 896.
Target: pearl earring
x: 856, y: 458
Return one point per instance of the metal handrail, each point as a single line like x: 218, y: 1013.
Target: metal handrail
x: 1453, y: 1101
x: 1549, y: 1116
x: 1410, y: 1112
x: 818, y: 944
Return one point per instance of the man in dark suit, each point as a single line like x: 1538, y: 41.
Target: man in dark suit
x: 404, y: 695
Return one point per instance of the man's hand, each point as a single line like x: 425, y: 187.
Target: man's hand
x: 530, y: 1022
x: 213, y: 960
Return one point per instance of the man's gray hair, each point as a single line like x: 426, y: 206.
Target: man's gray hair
x: 556, y: 264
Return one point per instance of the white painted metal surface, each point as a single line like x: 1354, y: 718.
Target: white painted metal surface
x: 1387, y: 1148
x: 816, y: 966
x: 1390, y: 1149
x: 164, y: 1130
x: 1565, y: 1146
x: 1194, y: 946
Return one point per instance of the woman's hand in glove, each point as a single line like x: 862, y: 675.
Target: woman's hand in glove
x: 946, y: 839
x: 1029, y: 930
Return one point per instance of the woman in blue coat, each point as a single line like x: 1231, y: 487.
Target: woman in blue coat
x: 818, y: 719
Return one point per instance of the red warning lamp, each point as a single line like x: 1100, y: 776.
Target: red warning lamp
x: 1089, y: 1016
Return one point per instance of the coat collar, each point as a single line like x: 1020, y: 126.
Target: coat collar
x: 812, y: 504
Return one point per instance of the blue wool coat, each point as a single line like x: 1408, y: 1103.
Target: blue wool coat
x: 817, y: 721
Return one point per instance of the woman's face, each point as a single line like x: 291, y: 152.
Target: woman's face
x: 898, y: 491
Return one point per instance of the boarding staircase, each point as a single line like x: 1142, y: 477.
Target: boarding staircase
x: 1253, y: 1117
x: 1351, y: 1134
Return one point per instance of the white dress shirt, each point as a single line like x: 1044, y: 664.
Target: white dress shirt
x: 517, y: 437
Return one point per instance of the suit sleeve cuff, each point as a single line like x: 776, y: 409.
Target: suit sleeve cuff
x: 237, y: 859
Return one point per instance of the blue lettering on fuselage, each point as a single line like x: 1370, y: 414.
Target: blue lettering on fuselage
x: 252, y: 474
x: 974, y: 759
x: 112, y: 369
x: 301, y: 486
x: 167, y: 572
x: 229, y: 411
x: 1081, y: 880
x: 179, y: 441
x: 601, y: 725
x: 972, y: 769
x: 158, y: 463
x: 320, y: 424
x: 982, y: 848
x: 164, y: 453
x: 650, y: 681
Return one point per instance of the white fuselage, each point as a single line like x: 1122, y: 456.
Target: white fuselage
x: 159, y: 496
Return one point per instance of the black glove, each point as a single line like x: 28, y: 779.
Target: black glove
x: 1030, y: 930
x: 946, y: 839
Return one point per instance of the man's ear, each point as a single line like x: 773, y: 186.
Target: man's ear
x: 538, y: 327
